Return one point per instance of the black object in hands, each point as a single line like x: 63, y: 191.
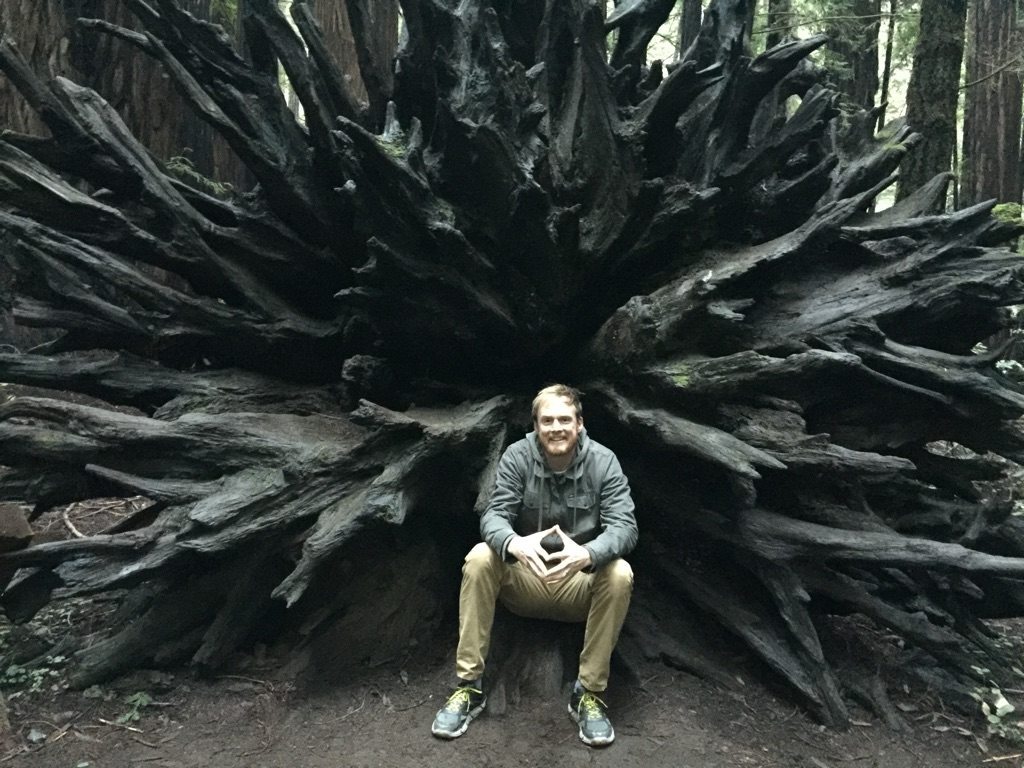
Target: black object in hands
x: 552, y: 543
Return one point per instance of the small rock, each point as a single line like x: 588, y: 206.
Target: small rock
x: 15, y: 532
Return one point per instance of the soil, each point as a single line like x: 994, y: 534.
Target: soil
x: 253, y: 714
x: 254, y: 719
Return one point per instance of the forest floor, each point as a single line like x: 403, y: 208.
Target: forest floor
x: 252, y: 715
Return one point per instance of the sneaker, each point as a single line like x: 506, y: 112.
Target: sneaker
x: 463, y: 705
x: 592, y: 716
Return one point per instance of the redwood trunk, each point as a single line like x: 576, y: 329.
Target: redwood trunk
x: 992, y: 111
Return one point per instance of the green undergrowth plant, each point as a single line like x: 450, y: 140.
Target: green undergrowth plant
x: 18, y: 679
x: 136, y: 703
x: 999, y: 713
x: 182, y: 168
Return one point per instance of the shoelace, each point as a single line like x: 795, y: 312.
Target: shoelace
x: 591, y: 707
x: 460, y: 699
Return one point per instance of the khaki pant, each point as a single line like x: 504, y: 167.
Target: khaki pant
x: 601, y: 599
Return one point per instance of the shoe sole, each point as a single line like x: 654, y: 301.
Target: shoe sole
x: 598, y: 742
x: 470, y: 717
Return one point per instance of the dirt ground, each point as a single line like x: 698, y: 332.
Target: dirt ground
x: 252, y: 719
x: 253, y: 716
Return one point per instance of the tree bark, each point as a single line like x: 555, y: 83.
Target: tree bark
x: 689, y: 24
x: 780, y: 22
x: 858, y: 82
x: 992, y: 105
x: 883, y: 98
x: 933, y: 92
x: 40, y: 28
x: 132, y: 83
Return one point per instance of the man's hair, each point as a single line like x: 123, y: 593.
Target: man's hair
x: 559, y: 390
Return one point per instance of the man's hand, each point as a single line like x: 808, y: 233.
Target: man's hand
x: 568, y: 561
x: 528, y: 551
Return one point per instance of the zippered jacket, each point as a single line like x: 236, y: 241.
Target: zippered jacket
x: 590, y: 500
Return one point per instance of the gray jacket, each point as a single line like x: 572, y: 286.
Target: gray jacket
x: 590, y: 500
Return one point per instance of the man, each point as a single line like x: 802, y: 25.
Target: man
x: 558, y: 523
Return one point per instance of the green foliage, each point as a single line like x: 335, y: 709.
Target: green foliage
x: 997, y: 711
x: 136, y: 703
x: 18, y: 679
x: 1008, y: 212
x: 908, y: 22
x: 225, y: 13
x: 1011, y: 213
x: 838, y: 19
x: 32, y: 679
x: 183, y: 169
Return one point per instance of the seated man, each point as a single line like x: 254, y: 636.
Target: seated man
x: 555, y: 530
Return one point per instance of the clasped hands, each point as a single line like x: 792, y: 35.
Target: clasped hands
x: 550, y: 567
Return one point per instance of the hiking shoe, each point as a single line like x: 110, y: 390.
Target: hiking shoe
x: 592, y: 716
x: 463, y: 705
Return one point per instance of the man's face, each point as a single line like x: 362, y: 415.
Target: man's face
x: 558, y: 427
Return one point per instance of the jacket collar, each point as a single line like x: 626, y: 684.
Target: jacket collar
x: 575, y: 468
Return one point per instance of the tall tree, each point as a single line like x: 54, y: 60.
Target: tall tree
x: 780, y: 21
x: 992, y: 104
x: 47, y: 33
x: 883, y: 96
x: 854, y: 39
x: 41, y: 29
x: 689, y: 23
x: 369, y: 65
x: 933, y: 92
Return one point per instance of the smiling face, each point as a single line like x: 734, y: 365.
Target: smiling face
x: 558, y: 430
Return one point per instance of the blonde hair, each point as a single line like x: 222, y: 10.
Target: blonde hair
x: 559, y: 390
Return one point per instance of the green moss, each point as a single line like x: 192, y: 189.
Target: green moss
x: 680, y: 377
x: 1008, y: 212
x: 224, y: 12
x: 1011, y: 214
x: 395, y: 149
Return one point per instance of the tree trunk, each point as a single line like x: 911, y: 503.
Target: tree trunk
x: 780, y: 22
x: 992, y: 105
x: 856, y: 43
x: 689, y: 24
x: 371, y: 63
x: 933, y: 92
x: 323, y: 396
x: 40, y: 29
x: 132, y: 83
x: 883, y: 99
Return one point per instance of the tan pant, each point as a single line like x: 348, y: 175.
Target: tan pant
x: 601, y: 599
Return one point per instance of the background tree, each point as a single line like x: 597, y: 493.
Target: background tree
x: 377, y: 24
x: 853, y: 37
x: 887, y: 63
x: 689, y: 23
x: 992, y: 104
x: 933, y: 92
x: 131, y: 82
x: 323, y: 398
x: 40, y: 32
x: 779, y: 25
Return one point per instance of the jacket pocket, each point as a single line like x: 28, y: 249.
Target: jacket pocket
x: 580, y: 500
x: 531, y: 501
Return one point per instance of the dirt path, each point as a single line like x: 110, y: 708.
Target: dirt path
x: 671, y: 720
